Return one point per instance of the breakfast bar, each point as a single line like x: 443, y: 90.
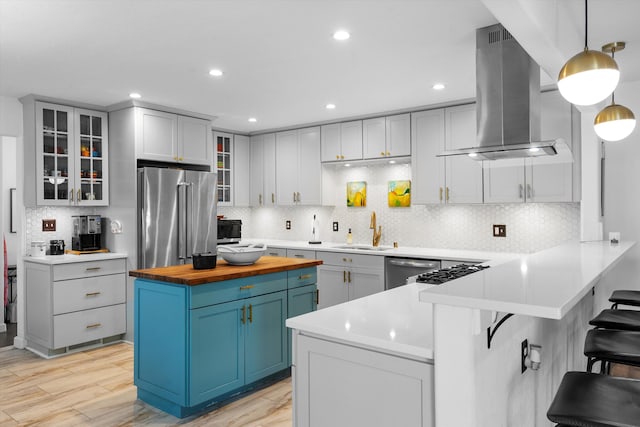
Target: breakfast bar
x: 205, y: 336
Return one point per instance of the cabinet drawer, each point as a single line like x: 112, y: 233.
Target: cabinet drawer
x: 79, y: 270
x: 276, y: 252
x: 88, y: 325
x: 231, y: 290
x: 92, y: 292
x: 301, y: 253
x: 351, y: 260
x: 302, y: 277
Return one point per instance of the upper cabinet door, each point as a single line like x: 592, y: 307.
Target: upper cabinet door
x: 427, y: 170
x: 309, y: 169
x: 224, y: 167
x: 287, y: 167
x: 194, y: 140
x: 351, y: 140
x: 256, y: 172
x: 330, y: 146
x: 91, y: 158
x: 269, y: 158
x: 374, y: 138
x: 398, y: 135
x: 158, y: 135
x: 241, y: 174
x: 504, y: 181
x: 463, y: 174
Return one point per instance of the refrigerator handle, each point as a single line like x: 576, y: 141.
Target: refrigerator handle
x: 189, y: 219
x: 182, y: 221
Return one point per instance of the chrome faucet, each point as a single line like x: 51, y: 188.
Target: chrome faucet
x: 376, y: 234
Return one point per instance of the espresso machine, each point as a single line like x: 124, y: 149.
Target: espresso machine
x: 87, y: 232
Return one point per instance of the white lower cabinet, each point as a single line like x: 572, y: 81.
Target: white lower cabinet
x: 342, y: 385
x: 344, y: 277
x: 69, y: 304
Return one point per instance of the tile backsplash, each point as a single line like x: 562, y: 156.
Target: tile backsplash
x: 64, y: 223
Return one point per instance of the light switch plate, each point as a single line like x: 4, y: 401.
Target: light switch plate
x: 335, y: 226
x: 48, y: 225
x: 287, y: 224
x: 499, y: 230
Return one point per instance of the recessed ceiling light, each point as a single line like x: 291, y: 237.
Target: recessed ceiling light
x: 253, y: 119
x: 330, y: 106
x: 438, y: 86
x: 135, y: 95
x: 341, y: 35
x: 215, y: 72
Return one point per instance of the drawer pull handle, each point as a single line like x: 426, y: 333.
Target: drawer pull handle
x: 244, y: 288
x: 250, y: 313
x: 243, y: 319
x: 94, y: 325
x: 93, y: 268
x: 273, y: 253
x: 305, y: 276
x: 92, y: 294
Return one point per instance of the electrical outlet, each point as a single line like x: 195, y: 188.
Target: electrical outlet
x: 499, y: 230
x: 287, y: 224
x: 524, y: 352
x: 335, y: 226
x: 48, y: 225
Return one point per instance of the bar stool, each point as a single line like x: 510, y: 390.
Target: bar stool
x: 592, y: 400
x: 628, y: 320
x: 611, y: 346
x: 625, y: 297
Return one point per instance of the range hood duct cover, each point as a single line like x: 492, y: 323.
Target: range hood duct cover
x: 507, y: 100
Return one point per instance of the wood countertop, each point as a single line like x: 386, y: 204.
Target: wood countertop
x: 186, y: 275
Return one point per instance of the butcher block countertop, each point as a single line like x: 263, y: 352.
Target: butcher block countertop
x: 186, y: 275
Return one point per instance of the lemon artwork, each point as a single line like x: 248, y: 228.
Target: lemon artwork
x: 357, y: 194
x: 399, y: 195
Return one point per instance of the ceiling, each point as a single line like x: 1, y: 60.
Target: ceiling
x: 280, y: 63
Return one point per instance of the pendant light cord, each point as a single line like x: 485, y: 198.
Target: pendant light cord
x: 586, y: 25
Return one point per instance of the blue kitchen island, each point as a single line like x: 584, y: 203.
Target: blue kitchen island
x: 204, y: 336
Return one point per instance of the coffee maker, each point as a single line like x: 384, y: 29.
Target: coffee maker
x: 87, y: 232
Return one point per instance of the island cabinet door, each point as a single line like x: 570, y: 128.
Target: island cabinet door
x: 301, y: 300
x: 265, y: 335
x: 217, y: 350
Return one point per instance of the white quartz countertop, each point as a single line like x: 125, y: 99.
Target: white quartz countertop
x: 402, y: 251
x: 545, y: 284
x: 69, y: 258
x: 394, y: 321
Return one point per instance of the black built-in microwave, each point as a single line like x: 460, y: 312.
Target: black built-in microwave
x: 229, y: 231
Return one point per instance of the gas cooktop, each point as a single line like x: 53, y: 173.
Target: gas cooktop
x: 437, y: 277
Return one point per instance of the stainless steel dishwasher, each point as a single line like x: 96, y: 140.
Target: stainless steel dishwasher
x: 398, y: 270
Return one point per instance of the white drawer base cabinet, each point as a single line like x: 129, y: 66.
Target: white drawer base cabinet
x: 71, y: 305
x: 341, y: 385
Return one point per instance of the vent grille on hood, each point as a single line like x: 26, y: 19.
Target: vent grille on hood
x: 507, y: 100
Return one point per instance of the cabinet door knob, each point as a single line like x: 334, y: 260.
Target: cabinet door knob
x: 243, y: 319
x: 388, y: 153
x: 382, y: 153
x: 337, y: 156
x: 344, y: 276
x: 440, y: 193
x: 294, y: 197
x: 260, y: 199
x: 273, y: 198
x: 79, y: 195
x: 250, y: 313
x: 349, y: 276
x: 341, y: 156
x: 71, y: 195
x: 181, y: 158
x: 447, y: 194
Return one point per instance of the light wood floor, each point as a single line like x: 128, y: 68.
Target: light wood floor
x: 95, y: 388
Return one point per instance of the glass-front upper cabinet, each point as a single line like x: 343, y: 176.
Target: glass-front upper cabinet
x: 224, y: 147
x: 71, y: 156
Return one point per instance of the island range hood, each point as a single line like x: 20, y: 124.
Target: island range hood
x: 507, y: 100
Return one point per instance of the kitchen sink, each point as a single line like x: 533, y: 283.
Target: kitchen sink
x: 363, y: 247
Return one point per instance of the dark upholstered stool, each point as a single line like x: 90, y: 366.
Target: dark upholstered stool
x: 623, y: 297
x: 593, y: 400
x: 611, y: 346
x: 628, y: 320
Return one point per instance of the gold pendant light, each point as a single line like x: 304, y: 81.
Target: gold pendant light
x: 588, y: 77
x: 615, y: 122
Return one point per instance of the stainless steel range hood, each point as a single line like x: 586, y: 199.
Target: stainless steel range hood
x: 507, y: 100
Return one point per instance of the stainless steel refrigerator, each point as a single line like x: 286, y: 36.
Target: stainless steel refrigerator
x: 176, y: 215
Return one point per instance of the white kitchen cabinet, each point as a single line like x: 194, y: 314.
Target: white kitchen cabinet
x: 224, y: 167
x: 344, y: 277
x: 436, y: 180
x: 543, y: 179
x: 298, y: 167
x: 341, y: 141
x: 69, y: 304
x: 168, y: 137
x: 377, y: 382
x: 386, y: 136
x: 70, y: 147
x: 241, y: 172
x: 263, y: 170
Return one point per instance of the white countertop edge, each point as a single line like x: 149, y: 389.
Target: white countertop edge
x: 70, y: 258
x: 420, y: 354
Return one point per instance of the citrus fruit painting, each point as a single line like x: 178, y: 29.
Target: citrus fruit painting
x: 399, y: 194
x: 357, y: 193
